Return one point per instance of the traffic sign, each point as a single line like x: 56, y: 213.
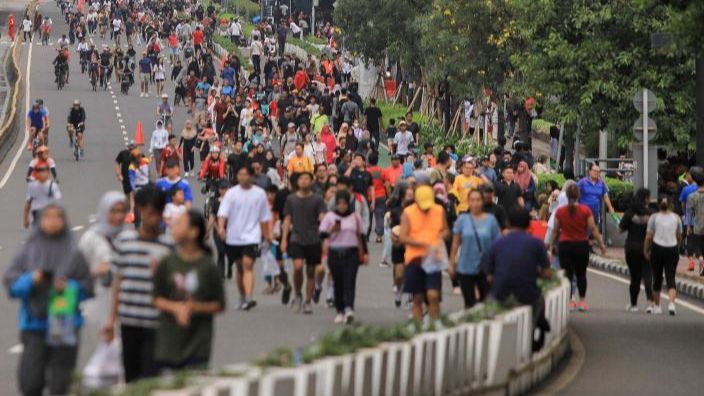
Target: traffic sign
x: 638, y: 101
x: 638, y: 129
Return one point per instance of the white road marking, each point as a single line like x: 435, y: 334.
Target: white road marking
x: 22, y: 146
x: 117, y: 108
x: 122, y: 126
x: 114, y: 101
x: 662, y: 295
x: 16, y: 349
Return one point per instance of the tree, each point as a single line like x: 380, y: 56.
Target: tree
x: 585, y: 59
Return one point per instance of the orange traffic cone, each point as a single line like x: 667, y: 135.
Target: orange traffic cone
x: 139, y: 135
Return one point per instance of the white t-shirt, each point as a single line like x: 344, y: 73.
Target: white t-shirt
x: 42, y: 194
x: 665, y: 227
x: 116, y: 24
x: 26, y: 25
x: 403, y: 140
x: 235, y: 29
x: 171, y: 211
x: 245, y: 210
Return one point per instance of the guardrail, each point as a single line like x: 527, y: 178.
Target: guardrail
x: 13, y: 79
x: 470, y: 358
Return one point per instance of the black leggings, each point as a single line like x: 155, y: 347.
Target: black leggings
x: 640, y: 269
x: 469, y: 284
x: 574, y: 258
x: 344, y: 264
x: 188, y: 155
x: 664, y: 258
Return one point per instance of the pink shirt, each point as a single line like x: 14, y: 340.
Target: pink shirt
x: 347, y: 236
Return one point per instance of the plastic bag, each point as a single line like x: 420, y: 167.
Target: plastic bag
x: 104, y: 368
x: 269, y: 265
x: 436, y: 260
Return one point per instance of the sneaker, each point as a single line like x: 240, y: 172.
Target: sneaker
x: 378, y: 239
x: 572, y: 305
x: 296, y: 304
x: 242, y: 305
x: 657, y: 310
x: 397, y: 300
x: 286, y: 295
x: 691, y: 265
x: 330, y: 303
x: 582, y: 306
x: 307, y: 308
x: 671, y: 309
x: 349, y: 316
x: 339, y: 318
x: 249, y: 305
x: 384, y: 264
x: 316, y: 294
x: 649, y: 308
x: 631, y: 308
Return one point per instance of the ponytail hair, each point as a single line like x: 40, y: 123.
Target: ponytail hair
x: 572, y: 193
x: 197, y: 221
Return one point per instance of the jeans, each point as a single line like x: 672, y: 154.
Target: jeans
x: 639, y: 268
x: 256, y: 61
x: 574, y: 258
x: 138, y: 352
x: 42, y: 365
x: 379, y: 210
x: 664, y: 258
x: 469, y: 284
x: 344, y: 263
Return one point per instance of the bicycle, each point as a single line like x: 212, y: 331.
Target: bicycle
x: 104, y: 77
x: 37, y: 140
x: 210, y: 192
x: 75, y: 131
x: 60, y: 73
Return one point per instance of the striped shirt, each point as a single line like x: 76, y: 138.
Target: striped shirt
x: 134, y: 260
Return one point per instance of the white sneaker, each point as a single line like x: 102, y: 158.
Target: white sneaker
x: 349, y: 316
x: 631, y: 308
x: 649, y: 308
x: 657, y: 310
x: 339, y: 318
x: 671, y: 309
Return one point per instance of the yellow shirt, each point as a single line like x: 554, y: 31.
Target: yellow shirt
x: 461, y: 188
x: 423, y: 227
x: 299, y: 164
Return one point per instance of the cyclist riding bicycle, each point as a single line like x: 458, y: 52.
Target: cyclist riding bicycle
x: 165, y: 111
x: 83, y: 50
x: 60, y: 65
x: 94, y: 58
x: 37, y: 122
x: 76, y: 123
x: 105, y: 66
x: 212, y: 169
x: 41, y: 160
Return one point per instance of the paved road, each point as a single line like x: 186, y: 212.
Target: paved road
x: 625, y: 353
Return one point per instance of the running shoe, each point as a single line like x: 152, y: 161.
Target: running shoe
x: 330, y: 303
x: 249, y: 304
x: 397, y: 300
x: 296, y: 304
x: 671, y: 309
x: 657, y: 310
x: 384, y: 264
x: 572, y: 305
x: 339, y: 318
x: 631, y: 308
x: 307, y: 308
x: 286, y: 295
x: 316, y: 293
x: 649, y: 308
x: 582, y: 306
x: 242, y: 305
x: 349, y: 316
x: 691, y: 265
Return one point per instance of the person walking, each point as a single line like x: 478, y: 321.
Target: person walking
x: 635, y: 223
x: 137, y: 253
x: 344, y: 231
x: 243, y: 221
x: 573, y: 222
x: 188, y: 292
x: 188, y: 146
x: 475, y: 231
x: 662, y: 249
x: 593, y: 191
x: 423, y: 230
x: 50, y: 277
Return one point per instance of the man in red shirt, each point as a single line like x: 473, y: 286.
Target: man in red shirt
x: 301, y: 80
x: 171, y: 151
x: 392, y: 173
x: 198, y: 39
x: 220, y: 108
x: 379, y: 194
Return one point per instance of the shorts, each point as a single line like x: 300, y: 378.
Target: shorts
x: 310, y: 253
x: 144, y: 77
x: 174, y: 51
x: 236, y: 252
x: 126, y: 186
x: 417, y: 281
x: 397, y: 253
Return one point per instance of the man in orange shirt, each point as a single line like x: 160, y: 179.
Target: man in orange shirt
x: 423, y: 231
x: 378, y: 184
x: 198, y: 39
x: 392, y: 173
x: 299, y: 163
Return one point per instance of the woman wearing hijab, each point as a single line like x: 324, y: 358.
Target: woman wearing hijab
x: 328, y: 139
x: 50, y: 277
x: 526, y: 181
x: 96, y: 243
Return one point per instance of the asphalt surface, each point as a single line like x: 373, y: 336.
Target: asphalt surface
x: 625, y: 354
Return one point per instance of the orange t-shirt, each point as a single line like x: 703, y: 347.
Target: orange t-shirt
x: 197, y: 37
x: 299, y: 165
x: 424, y: 227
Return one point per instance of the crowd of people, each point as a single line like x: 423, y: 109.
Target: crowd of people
x: 290, y: 161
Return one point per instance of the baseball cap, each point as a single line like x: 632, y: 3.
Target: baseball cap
x: 395, y: 157
x: 424, y: 197
x: 214, y: 149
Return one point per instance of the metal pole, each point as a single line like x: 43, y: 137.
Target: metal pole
x: 645, y: 138
x: 312, y: 18
x: 559, y: 145
x: 700, y: 108
x: 577, y: 150
x: 603, y: 149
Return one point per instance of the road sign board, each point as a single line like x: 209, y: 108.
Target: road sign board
x: 638, y: 101
x: 638, y: 129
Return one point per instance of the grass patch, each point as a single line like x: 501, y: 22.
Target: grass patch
x: 542, y: 126
x: 247, y: 8
x: 316, y: 40
x: 305, y: 45
x: 396, y: 111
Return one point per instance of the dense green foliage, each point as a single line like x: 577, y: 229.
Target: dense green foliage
x: 620, y: 192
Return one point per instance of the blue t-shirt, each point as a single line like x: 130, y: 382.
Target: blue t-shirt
x: 469, y: 260
x: 36, y: 119
x: 514, y: 260
x: 684, y: 194
x: 228, y: 74
x: 165, y: 185
x: 590, y: 194
x: 145, y: 65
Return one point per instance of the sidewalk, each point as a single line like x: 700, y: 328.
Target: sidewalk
x: 617, y: 253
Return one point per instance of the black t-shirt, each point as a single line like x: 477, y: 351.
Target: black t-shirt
x: 414, y: 128
x: 280, y: 201
x: 554, y: 132
x: 373, y: 115
x: 635, y: 222
x: 235, y: 162
x: 305, y: 217
x: 123, y: 159
x: 498, y: 212
x: 508, y: 194
x: 361, y: 180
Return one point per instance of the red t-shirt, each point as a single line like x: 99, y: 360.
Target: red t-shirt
x: 573, y: 227
x: 392, y: 174
x: 198, y: 37
x: 377, y: 181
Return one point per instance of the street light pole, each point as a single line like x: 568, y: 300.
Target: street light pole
x: 699, y: 111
